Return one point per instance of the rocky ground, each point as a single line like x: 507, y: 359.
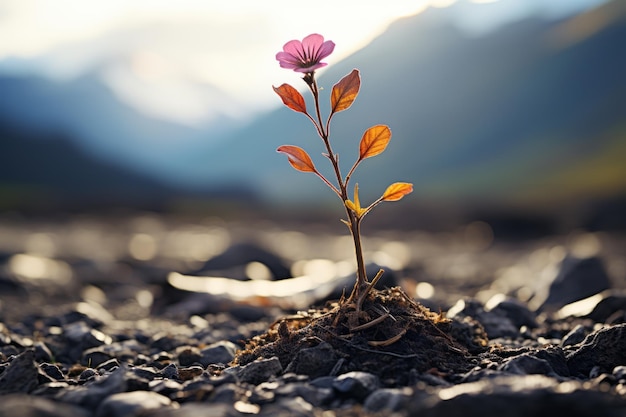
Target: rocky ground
x: 147, y: 315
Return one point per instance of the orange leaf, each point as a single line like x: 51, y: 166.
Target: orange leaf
x: 291, y: 98
x: 345, y: 92
x: 298, y: 158
x: 396, y: 191
x: 374, y: 141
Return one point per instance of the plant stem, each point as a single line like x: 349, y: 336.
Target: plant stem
x: 354, y: 220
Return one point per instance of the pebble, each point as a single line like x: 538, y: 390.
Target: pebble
x: 576, y: 279
x: 129, y: 404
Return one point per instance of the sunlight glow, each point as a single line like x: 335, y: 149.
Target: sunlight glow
x: 197, y: 61
x: 189, y: 61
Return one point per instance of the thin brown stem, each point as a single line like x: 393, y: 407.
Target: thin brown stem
x: 353, y: 219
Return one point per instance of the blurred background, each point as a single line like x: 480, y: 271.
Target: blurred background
x: 511, y: 112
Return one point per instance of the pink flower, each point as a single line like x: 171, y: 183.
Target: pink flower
x: 305, y: 56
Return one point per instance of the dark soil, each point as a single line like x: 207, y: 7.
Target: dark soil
x: 391, y: 337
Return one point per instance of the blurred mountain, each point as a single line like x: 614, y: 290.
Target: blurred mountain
x: 51, y: 172
x: 532, y: 113
x: 87, y: 112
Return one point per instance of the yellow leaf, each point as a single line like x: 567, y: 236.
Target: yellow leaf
x: 298, y: 158
x: 291, y: 98
x: 396, y: 191
x: 374, y: 141
x: 345, y: 92
x: 356, y: 205
x: 351, y: 205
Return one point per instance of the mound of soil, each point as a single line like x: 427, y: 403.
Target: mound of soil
x: 390, y: 335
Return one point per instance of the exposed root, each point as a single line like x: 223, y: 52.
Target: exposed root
x: 389, y: 341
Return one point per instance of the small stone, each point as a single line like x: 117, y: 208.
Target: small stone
x: 129, y: 404
x: 42, y: 352
x: 387, y: 399
x: 109, y: 365
x: 513, y: 309
x: 605, y: 348
x: 526, y: 364
x: 316, y: 396
x: 170, y: 371
x: 496, y: 324
x: 31, y: 406
x: 218, y: 353
x: 87, y: 375
x: 314, y: 361
x: 575, y: 336
x: 356, y: 384
x: 576, y: 279
x: 188, y: 355
x: 166, y: 387
x: 52, y: 371
x: 95, y: 357
x: 190, y: 372
x: 620, y: 372
x: 259, y: 370
x: 21, y: 376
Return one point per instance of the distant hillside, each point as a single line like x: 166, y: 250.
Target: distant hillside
x: 88, y: 113
x: 51, y: 172
x: 505, y: 117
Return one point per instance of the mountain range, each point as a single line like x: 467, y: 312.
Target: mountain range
x: 529, y: 114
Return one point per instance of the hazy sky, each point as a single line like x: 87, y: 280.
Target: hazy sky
x: 188, y: 60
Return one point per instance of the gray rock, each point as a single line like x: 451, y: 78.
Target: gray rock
x: 288, y: 407
x: 221, y: 352
x: 620, y: 373
x: 511, y: 308
x: 605, y: 348
x: 356, y: 384
x: 129, y: 404
x: 496, y: 324
x: 314, y: 361
x: 257, y: 371
x: 549, y: 361
x: 315, y: 396
x: 21, y: 376
x: 19, y: 405
x: 170, y: 371
x: 166, y: 387
x: 576, y: 279
x: 388, y: 399
x: 52, y: 371
x: 95, y: 357
x: 527, y: 364
x: 574, y: 336
x: 188, y: 355
x: 600, y: 307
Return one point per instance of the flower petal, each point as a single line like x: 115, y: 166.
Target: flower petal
x: 294, y: 48
x: 312, y: 42
x: 326, y: 49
